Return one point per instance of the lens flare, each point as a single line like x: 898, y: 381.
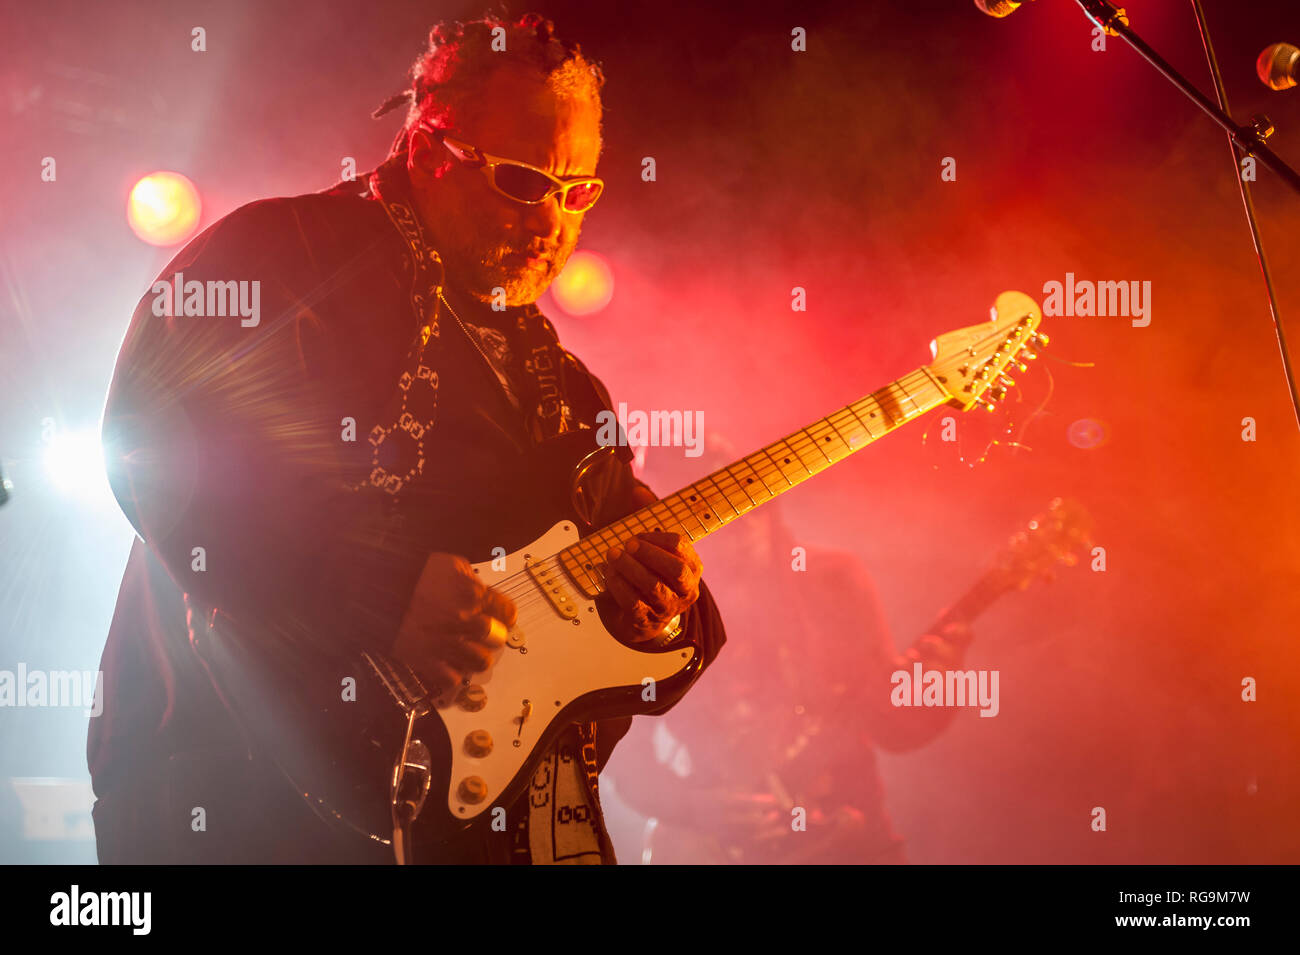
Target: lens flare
x: 1088, y: 433
x: 164, y: 208
x: 585, y: 286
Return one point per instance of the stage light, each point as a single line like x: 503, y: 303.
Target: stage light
x: 585, y: 286
x: 164, y: 208
x: 74, y: 464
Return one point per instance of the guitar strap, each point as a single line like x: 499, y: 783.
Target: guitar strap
x: 561, y: 823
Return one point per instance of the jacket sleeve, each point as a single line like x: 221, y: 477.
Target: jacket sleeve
x: 223, y: 452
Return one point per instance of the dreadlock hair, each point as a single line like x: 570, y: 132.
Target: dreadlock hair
x: 460, y: 57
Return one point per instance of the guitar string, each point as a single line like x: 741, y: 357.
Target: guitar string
x: 799, y: 442
x: 528, y: 591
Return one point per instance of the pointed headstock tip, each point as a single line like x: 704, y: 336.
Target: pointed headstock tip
x: 971, y: 363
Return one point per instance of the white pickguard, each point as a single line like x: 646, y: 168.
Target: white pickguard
x: 559, y: 660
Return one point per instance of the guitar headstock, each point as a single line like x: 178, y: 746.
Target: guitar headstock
x: 1053, y: 537
x: 970, y: 363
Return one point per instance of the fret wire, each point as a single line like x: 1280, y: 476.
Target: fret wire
x: 779, y: 469
x: 709, y: 508
x: 637, y: 522
x: 804, y: 436
x: 853, y: 411
x: 665, y: 511
x: 682, y: 523
x: 883, y: 413
x: 816, y: 444
x: 866, y: 423
x: 837, y: 431
x: 663, y: 524
x: 748, y: 462
x: 753, y: 503
x: 677, y: 517
x: 876, y: 399
x: 575, y: 569
x: 690, y: 510
x: 797, y: 456
x: 727, y: 472
x: 592, y: 556
x: 908, y: 393
x: 587, y: 555
x: 724, y: 495
x: 848, y: 448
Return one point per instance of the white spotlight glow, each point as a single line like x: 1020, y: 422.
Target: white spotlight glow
x: 74, y: 463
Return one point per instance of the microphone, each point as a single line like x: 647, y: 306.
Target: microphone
x: 1278, y: 66
x: 999, y: 8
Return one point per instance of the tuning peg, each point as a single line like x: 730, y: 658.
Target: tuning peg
x: 1020, y: 365
x: 986, y: 404
x: 1006, y: 382
x: 1029, y: 355
x: 999, y: 394
x: 1039, y: 338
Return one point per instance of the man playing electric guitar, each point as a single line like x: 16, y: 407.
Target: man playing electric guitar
x: 314, y: 481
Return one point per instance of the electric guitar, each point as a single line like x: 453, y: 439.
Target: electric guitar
x: 394, y: 755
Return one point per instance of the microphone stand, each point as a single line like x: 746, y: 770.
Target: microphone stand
x: 1248, y: 139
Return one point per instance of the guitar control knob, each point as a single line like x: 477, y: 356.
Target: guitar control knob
x: 472, y: 789
x: 472, y: 698
x: 478, y: 743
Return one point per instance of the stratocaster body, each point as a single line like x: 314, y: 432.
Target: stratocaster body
x: 559, y: 665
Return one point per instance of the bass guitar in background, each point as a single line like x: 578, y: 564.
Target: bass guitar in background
x: 780, y: 737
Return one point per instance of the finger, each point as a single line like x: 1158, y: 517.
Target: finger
x: 498, y: 605
x: 666, y: 565
x: 678, y: 544
x: 656, y: 594
x: 628, y: 600
x: 482, y: 629
x: 464, y: 587
x: 464, y: 654
x: 438, y: 677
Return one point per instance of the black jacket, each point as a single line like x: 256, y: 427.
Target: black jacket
x: 225, y: 450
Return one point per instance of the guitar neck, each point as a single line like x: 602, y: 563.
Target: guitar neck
x: 723, y: 496
x: 983, y: 594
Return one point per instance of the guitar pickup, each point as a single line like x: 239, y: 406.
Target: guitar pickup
x: 551, y: 579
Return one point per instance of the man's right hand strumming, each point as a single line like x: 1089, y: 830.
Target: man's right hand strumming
x: 455, y: 625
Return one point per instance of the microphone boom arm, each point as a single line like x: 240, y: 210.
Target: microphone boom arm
x: 1247, y: 139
